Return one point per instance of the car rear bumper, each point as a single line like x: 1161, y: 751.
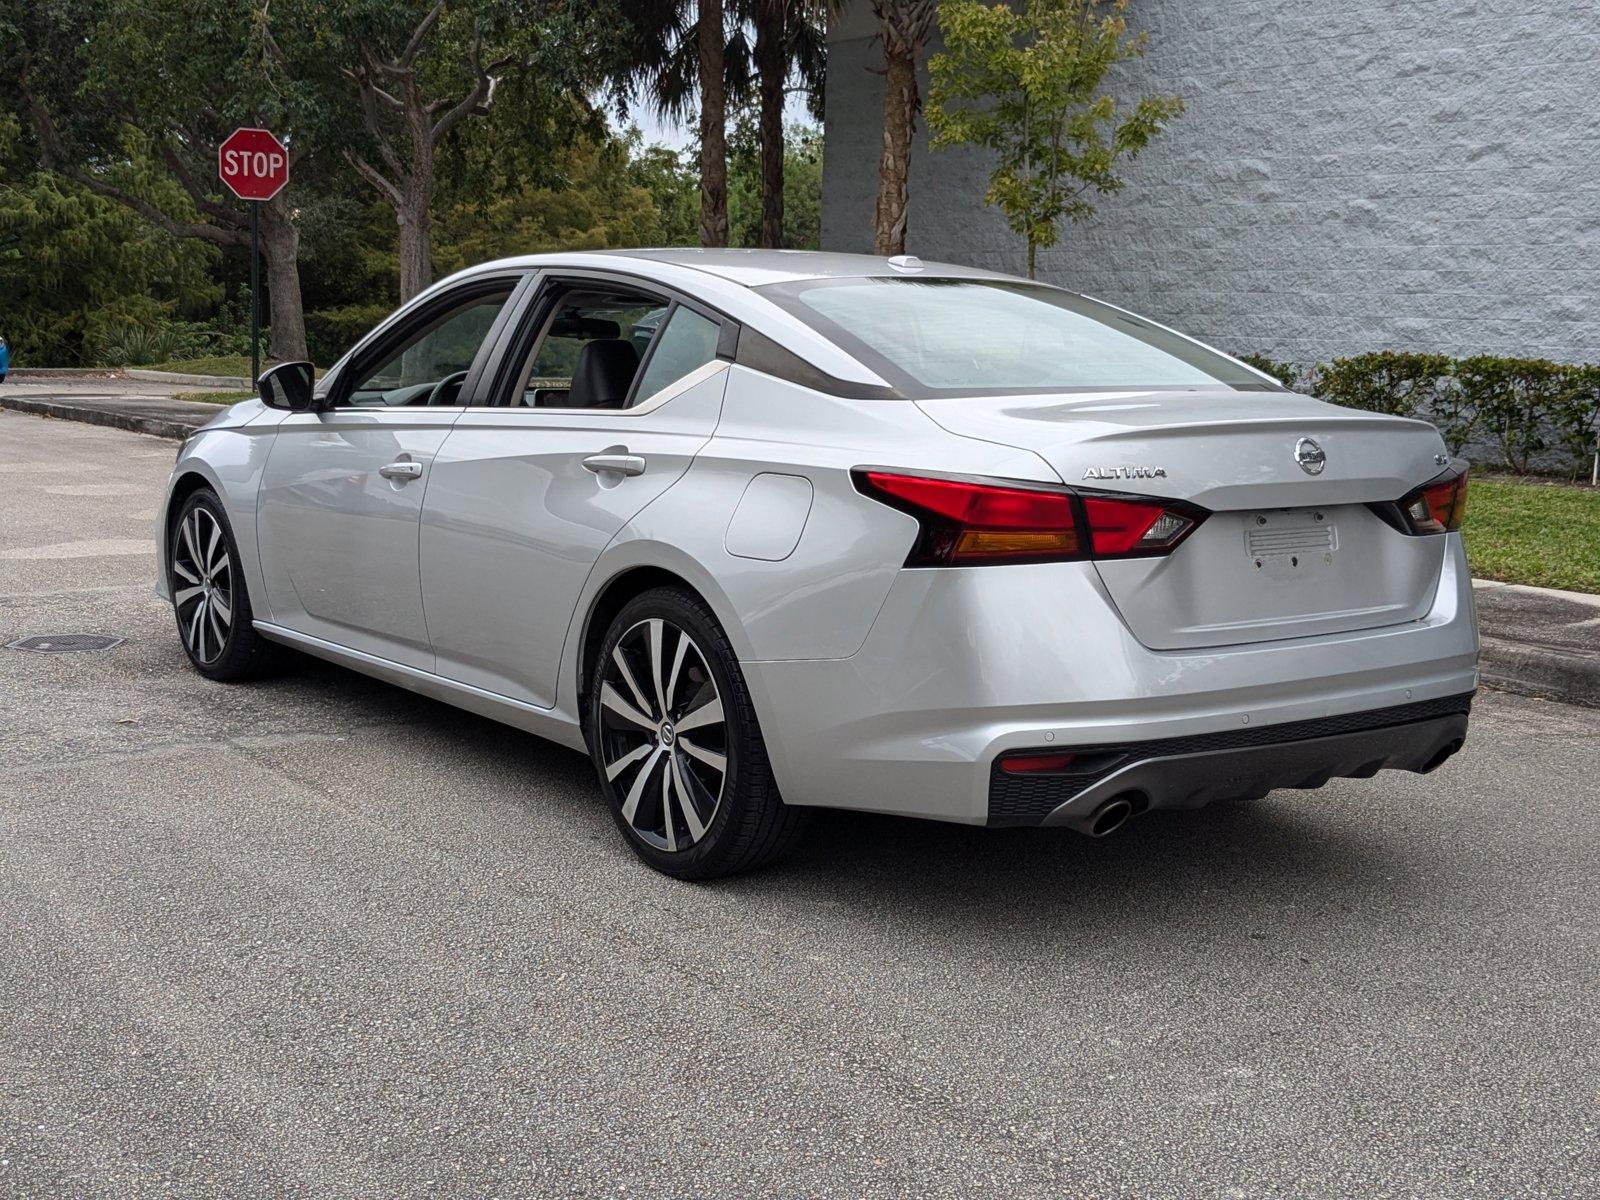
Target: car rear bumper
x: 1192, y: 772
x: 963, y: 666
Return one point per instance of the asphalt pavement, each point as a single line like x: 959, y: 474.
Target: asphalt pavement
x: 321, y: 937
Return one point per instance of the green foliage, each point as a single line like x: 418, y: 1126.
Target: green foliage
x: 1520, y: 403
x: 332, y: 331
x: 1025, y: 84
x: 1530, y: 410
x: 802, y: 187
x: 75, y: 266
x: 1285, y: 373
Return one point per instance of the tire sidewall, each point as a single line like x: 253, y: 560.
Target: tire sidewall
x: 231, y: 662
x: 674, y: 606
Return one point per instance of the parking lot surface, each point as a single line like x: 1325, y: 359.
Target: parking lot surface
x: 321, y: 937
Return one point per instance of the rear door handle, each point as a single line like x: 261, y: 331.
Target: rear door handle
x: 615, y: 464
x: 401, y: 470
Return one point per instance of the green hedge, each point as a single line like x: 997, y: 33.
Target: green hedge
x: 1530, y: 410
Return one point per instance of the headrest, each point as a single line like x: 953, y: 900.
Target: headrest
x: 603, y: 374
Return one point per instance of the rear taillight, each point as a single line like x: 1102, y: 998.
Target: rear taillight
x: 1436, y: 507
x: 972, y: 522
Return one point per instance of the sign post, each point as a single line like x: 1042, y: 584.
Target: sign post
x: 255, y: 167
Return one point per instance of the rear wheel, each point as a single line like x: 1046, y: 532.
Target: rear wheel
x: 209, y: 596
x: 675, y: 740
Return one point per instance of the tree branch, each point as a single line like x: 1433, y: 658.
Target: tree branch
x: 375, y: 177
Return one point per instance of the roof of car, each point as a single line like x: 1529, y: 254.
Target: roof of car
x: 753, y: 268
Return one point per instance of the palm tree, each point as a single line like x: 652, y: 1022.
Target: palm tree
x: 680, y: 51
x: 904, y: 26
x: 789, y: 41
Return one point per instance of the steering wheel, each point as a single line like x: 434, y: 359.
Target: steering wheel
x: 457, y: 378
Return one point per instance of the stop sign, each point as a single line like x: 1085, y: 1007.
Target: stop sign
x: 253, y: 164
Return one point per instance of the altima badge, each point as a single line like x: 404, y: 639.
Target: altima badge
x: 1310, y: 456
x: 1125, y: 473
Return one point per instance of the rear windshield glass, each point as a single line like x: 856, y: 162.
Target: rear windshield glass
x: 947, y: 336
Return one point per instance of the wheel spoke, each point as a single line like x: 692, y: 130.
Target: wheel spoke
x: 717, y: 762
x: 183, y: 595
x: 640, y: 781
x: 197, y: 631
x: 668, y: 825
x: 627, y: 760
x: 223, y: 607
x: 215, y: 621
x: 189, y: 538
x: 691, y: 815
x: 612, y: 699
x: 627, y: 677
x: 709, y: 713
x: 183, y: 571
x: 677, y: 665
x: 211, y: 548
x: 656, y: 633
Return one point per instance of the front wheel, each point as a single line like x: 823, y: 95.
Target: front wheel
x: 676, y: 743
x: 209, y: 596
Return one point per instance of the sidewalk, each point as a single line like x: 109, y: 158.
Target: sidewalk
x: 143, y: 406
x: 1536, y: 642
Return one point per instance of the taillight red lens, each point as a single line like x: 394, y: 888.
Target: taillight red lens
x: 1437, y: 507
x: 1127, y: 526
x: 970, y: 522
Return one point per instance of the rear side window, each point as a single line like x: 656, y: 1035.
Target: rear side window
x: 687, y: 343
x: 974, y: 337
x: 589, y: 349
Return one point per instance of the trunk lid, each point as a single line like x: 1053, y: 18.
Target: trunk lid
x: 1286, y: 553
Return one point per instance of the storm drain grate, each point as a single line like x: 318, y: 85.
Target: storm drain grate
x: 64, y: 643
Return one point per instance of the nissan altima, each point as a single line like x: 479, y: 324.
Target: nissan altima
x: 769, y: 531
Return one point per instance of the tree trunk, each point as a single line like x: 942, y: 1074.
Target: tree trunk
x: 894, y: 164
x: 1032, y: 253
x: 713, y: 131
x: 280, y: 250
x: 772, y: 68
x: 416, y: 246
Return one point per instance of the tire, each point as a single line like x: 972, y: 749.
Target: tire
x: 210, y: 599
x: 681, y: 812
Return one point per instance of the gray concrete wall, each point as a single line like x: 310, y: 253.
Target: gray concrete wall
x: 1416, y: 174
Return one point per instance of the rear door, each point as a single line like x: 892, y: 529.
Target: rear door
x: 341, y: 494
x: 605, y: 392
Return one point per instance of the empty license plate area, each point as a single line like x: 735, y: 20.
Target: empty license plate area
x: 1288, y: 542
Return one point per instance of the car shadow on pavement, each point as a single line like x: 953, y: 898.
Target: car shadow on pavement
x: 1283, y: 852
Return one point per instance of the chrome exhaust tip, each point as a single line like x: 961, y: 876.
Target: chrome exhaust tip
x: 1108, y: 818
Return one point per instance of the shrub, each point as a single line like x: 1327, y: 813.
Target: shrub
x: 142, y: 345
x: 1404, y: 384
x: 1518, y: 402
x: 1285, y: 373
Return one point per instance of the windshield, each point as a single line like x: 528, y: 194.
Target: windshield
x: 942, y: 336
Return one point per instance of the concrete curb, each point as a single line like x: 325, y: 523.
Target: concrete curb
x: 25, y: 373
x: 154, y: 424
x: 1548, y: 672
x: 216, y: 383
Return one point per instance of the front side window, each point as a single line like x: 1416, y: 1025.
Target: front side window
x: 968, y: 336
x: 432, y: 363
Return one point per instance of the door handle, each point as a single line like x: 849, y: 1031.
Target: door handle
x: 401, y: 470
x: 615, y: 464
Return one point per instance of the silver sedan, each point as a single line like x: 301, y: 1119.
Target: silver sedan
x: 770, y: 531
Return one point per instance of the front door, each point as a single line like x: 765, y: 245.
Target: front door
x: 610, y: 391
x: 342, y: 492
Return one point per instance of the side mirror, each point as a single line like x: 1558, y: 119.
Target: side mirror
x: 289, y: 385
